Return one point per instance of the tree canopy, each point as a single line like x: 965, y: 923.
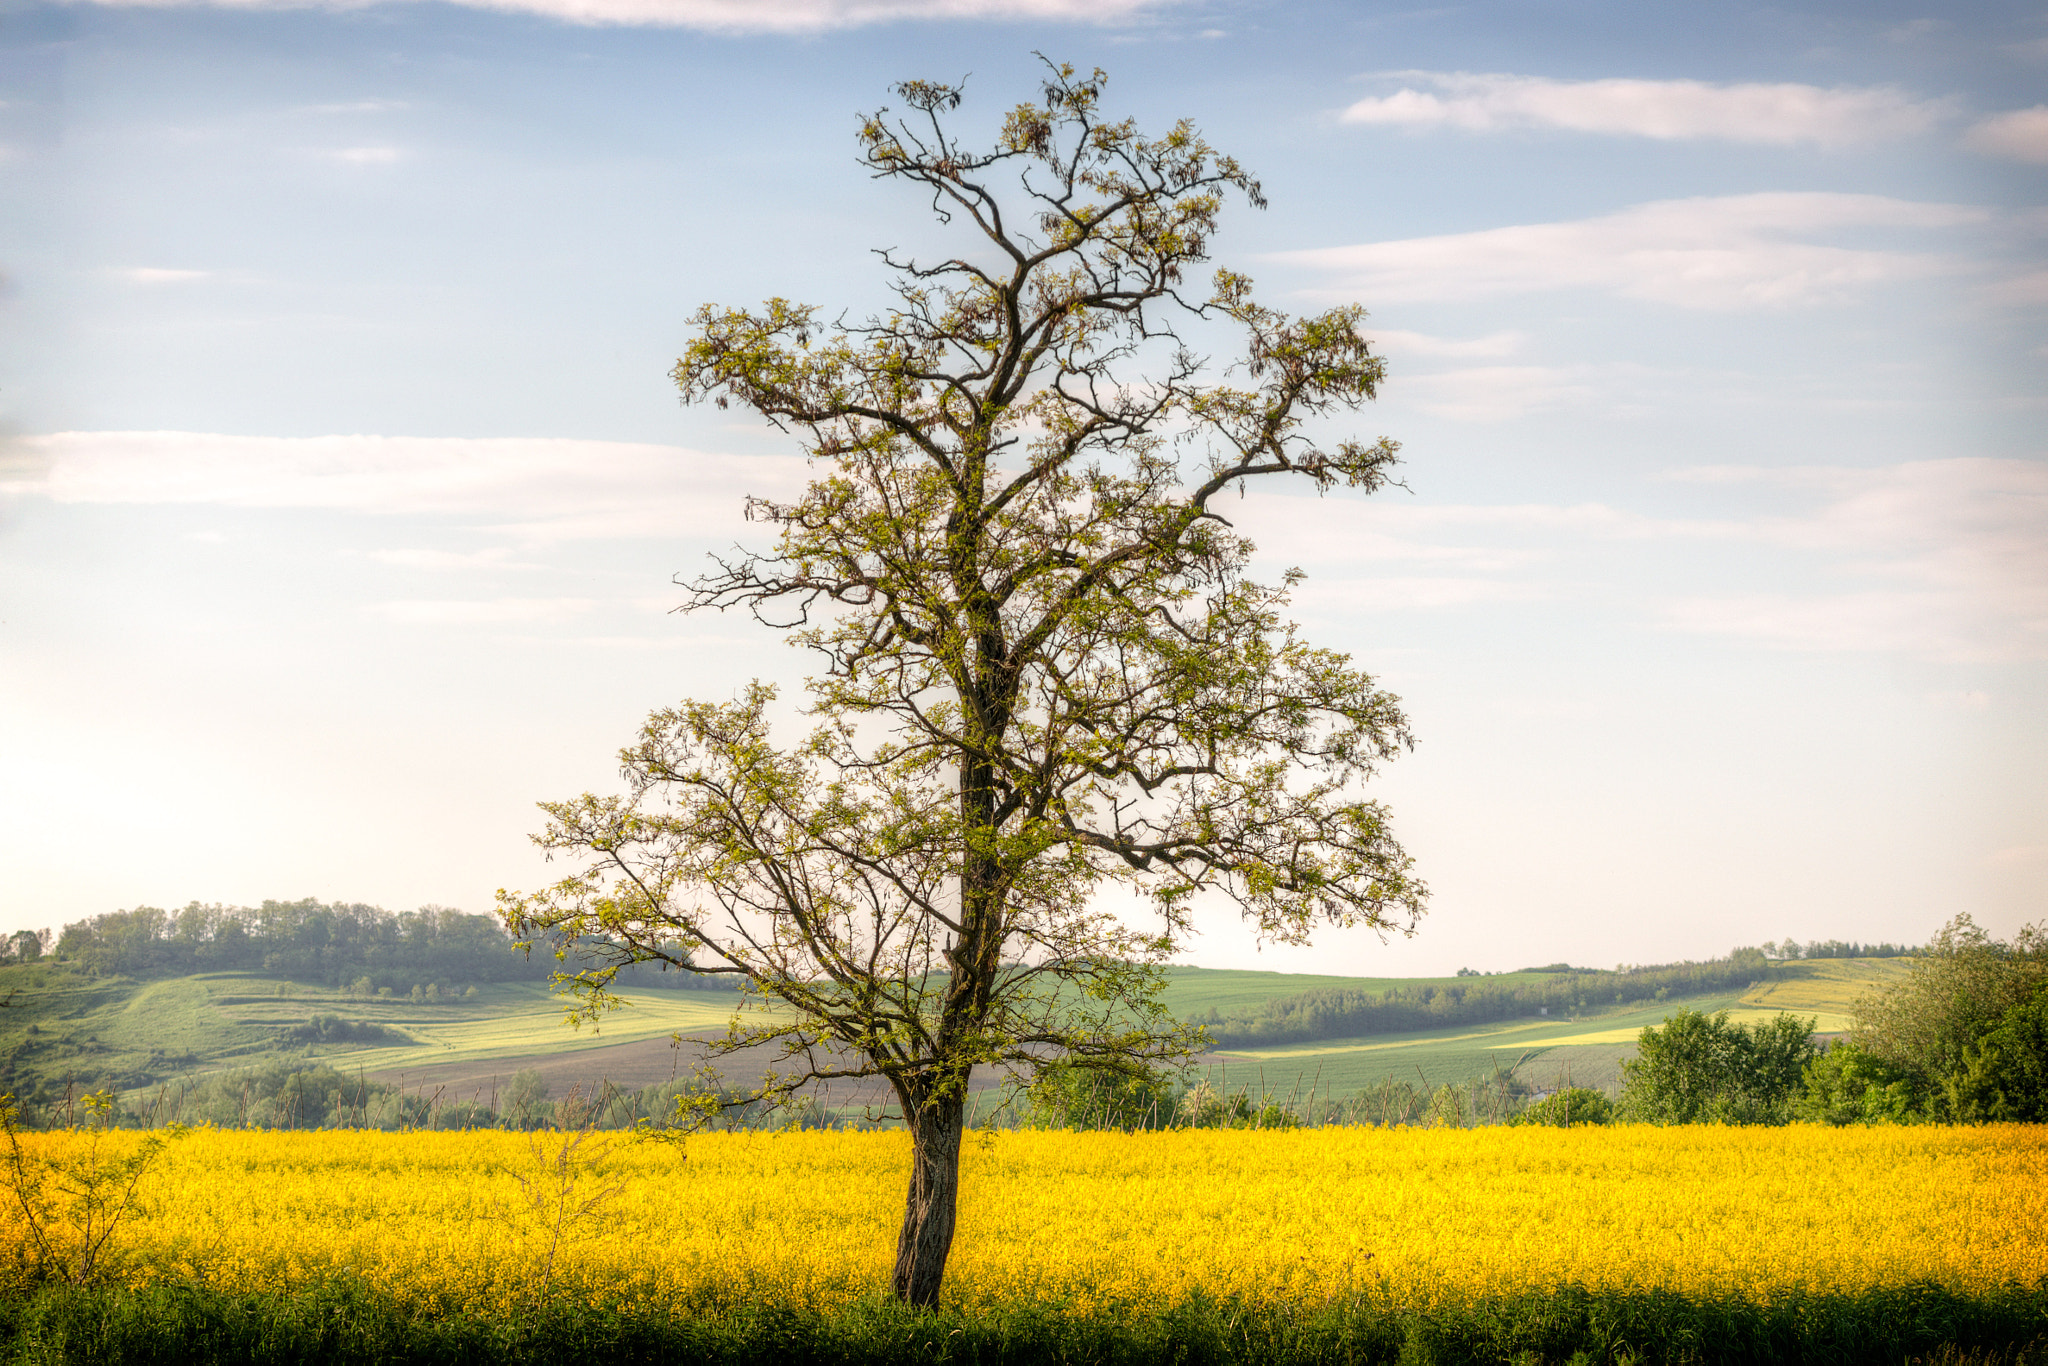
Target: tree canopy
x: 1046, y: 680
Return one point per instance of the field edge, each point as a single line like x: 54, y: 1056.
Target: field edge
x: 343, y: 1322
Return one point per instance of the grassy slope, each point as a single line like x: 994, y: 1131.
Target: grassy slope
x: 1544, y: 1052
x: 525, y: 1020
x: 1827, y: 987
x: 137, y: 1033
x: 202, y: 1023
x: 1192, y: 991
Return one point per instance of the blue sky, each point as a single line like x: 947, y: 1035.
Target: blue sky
x: 342, y: 485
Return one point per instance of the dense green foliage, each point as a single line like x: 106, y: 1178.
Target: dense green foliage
x: 1836, y: 948
x: 2004, y: 1074
x: 1845, y: 1085
x: 1957, y: 1031
x: 1063, y: 1096
x: 1962, y: 1038
x: 342, y: 944
x: 1701, y: 1069
x: 1337, y: 1014
x: 1565, y: 1108
x: 343, y: 1324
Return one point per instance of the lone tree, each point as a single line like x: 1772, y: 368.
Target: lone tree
x: 1045, y: 672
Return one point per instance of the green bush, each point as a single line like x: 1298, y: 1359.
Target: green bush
x: 1700, y: 1069
x: 1959, y: 990
x: 525, y: 1103
x: 1846, y: 1085
x: 2004, y: 1075
x: 1570, y: 1106
x: 334, y: 1029
x: 1066, y: 1095
x: 1202, y: 1106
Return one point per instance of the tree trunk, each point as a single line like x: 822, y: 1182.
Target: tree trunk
x: 927, y: 1237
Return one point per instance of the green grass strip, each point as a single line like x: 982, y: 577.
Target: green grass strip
x: 344, y: 1324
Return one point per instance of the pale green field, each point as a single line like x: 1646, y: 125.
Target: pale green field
x: 1192, y: 991
x: 526, y: 1020
x: 1829, y: 987
x: 1539, y: 1051
x: 1587, y: 1051
x: 193, y: 1025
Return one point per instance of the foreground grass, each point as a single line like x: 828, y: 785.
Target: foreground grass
x: 340, y: 1322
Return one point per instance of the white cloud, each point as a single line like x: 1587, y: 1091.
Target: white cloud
x: 354, y: 107
x: 1957, y: 549
x: 1493, y: 344
x: 365, y: 156
x: 1913, y: 30
x: 1777, y: 114
x: 157, y: 275
x: 2020, y: 135
x: 2030, y: 288
x: 1409, y: 593
x: 436, y: 561
x: 1733, y: 252
x: 1498, y: 393
x: 485, y: 611
x: 540, y: 488
x: 741, y: 16
x: 1943, y: 559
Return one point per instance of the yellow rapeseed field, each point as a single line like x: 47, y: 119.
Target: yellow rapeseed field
x: 442, y: 1219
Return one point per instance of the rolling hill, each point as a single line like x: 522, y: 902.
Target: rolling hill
x: 67, y: 1028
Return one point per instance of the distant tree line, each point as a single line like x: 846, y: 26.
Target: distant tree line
x: 1335, y: 1013
x: 280, y: 1094
x: 24, y: 946
x: 1791, y: 949
x: 338, y: 945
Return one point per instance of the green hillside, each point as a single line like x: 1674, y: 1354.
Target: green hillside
x: 1586, y: 1050
x: 65, y: 1028
x: 1192, y: 992
x: 1541, y: 1053
x: 1828, y: 987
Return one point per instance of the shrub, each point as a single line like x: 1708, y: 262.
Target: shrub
x: 2004, y: 1075
x: 1846, y: 1085
x: 1959, y: 990
x: 526, y: 1100
x: 334, y: 1029
x: 1700, y: 1069
x: 1066, y: 1096
x: 1570, y: 1106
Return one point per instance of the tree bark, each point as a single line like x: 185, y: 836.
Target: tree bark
x: 935, y: 1123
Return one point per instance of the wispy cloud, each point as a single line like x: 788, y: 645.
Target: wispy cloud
x: 2021, y: 135
x: 1733, y: 252
x: 1954, y: 554
x: 743, y: 16
x: 157, y: 275
x: 481, y: 611
x: 538, y: 488
x: 1414, y: 593
x: 1393, y: 341
x: 1497, y: 393
x: 439, y: 561
x: 1779, y: 114
x: 353, y: 107
x: 365, y: 156
x: 1944, y: 559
